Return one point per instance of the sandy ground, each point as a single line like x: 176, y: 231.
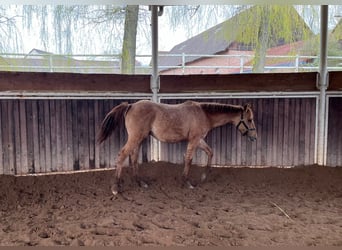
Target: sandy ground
x: 235, y: 207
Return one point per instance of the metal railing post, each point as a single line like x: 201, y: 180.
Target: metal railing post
x: 322, y: 85
x: 297, y: 63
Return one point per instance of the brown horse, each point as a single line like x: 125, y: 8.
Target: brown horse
x: 190, y: 121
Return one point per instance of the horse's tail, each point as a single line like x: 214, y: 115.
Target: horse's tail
x: 115, y: 118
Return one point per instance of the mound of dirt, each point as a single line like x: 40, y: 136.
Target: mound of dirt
x: 235, y: 207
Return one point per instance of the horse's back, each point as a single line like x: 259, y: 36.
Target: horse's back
x: 169, y: 122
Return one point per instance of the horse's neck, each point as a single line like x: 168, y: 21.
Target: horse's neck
x: 219, y: 119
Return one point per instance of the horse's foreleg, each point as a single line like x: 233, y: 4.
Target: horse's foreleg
x: 203, y: 145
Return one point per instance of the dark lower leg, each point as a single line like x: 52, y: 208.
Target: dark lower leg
x: 136, y: 176
x: 187, y: 164
x: 117, y: 185
x: 203, y: 145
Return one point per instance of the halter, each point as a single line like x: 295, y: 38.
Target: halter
x: 242, y: 121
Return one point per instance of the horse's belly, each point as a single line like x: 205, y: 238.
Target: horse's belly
x: 168, y: 135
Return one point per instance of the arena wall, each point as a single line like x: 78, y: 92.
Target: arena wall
x: 49, y: 121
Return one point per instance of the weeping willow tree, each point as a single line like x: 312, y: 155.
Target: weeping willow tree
x: 265, y: 26
x: 10, y: 39
x: 76, y: 28
x: 83, y: 27
x: 259, y: 26
x: 196, y: 18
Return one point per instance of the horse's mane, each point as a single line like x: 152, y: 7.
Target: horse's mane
x: 220, y: 108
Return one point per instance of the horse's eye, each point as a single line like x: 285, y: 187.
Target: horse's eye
x: 249, y: 120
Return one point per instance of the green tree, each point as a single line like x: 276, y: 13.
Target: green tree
x: 265, y: 25
x: 261, y: 26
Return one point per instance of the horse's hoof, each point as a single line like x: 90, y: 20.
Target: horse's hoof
x: 143, y: 184
x: 115, y: 190
x: 189, y: 185
x: 203, y: 177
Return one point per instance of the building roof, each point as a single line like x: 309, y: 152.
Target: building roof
x: 213, y: 41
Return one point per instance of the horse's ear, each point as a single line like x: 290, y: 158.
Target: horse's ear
x: 247, y: 106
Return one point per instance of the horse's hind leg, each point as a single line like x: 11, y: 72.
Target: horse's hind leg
x: 187, y: 163
x: 117, y: 186
x: 123, y: 154
x: 203, y: 145
x: 134, y: 157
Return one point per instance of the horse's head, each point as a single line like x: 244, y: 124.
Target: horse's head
x: 246, y: 124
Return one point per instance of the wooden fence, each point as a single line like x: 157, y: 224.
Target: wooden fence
x: 286, y: 136
x: 334, y: 145
x: 55, y: 135
x: 49, y: 121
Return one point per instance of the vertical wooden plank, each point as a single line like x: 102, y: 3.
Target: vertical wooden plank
x: 117, y: 139
x: 219, y: 141
x: 307, y: 132
x: 11, y: 141
x: 75, y: 134
x: 312, y: 130
x: 302, y: 132
x: 5, y: 133
x: 291, y: 131
x: 244, y: 144
x: 35, y: 137
x: 338, y: 148
x: 91, y: 139
x: 275, y: 132
x: 101, y: 147
x: 234, y: 148
x: 106, y: 143
x: 23, y: 137
x: 330, y: 161
x: 253, y: 145
x: 69, y: 135
x: 30, y: 142
x: 2, y: 165
x: 259, y: 126
x: 85, y: 135
x: 285, y: 135
x: 47, y: 135
x: 64, y: 137
x: 334, y: 142
x: 296, y: 132
x: 229, y: 143
x: 97, y: 120
x: 269, y: 131
x: 53, y: 138
x: 280, y: 136
x: 81, y: 133
x: 224, y: 154
x: 16, y: 126
x: 58, y: 145
x: 42, y: 135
